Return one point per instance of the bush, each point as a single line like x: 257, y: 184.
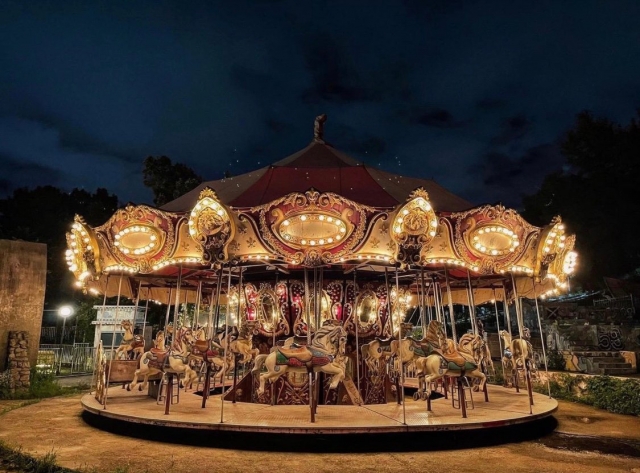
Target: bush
x: 4, y: 385
x: 615, y: 395
x: 42, y: 384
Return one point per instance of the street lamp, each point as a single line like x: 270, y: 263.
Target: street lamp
x: 65, y: 312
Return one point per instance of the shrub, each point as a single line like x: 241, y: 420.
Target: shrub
x: 615, y: 395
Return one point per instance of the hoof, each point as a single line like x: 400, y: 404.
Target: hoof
x: 128, y: 387
x: 425, y: 396
x: 416, y: 396
x: 140, y: 388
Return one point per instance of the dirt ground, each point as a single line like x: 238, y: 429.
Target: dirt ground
x: 581, y: 435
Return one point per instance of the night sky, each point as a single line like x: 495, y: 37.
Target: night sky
x: 475, y: 94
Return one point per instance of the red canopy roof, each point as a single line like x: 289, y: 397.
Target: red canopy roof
x: 322, y: 167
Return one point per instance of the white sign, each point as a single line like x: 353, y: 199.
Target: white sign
x: 110, y: 315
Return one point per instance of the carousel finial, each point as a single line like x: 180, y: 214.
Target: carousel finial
x: 318, y: 129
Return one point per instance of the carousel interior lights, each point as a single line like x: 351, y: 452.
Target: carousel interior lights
x: 314, y: 229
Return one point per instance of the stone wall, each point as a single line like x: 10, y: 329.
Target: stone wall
x: 23, y: 272
x: 19, y: 367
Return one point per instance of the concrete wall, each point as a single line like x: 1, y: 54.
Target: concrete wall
x: 23, y: 273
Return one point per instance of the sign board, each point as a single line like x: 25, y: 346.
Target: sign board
x: 112, y: 315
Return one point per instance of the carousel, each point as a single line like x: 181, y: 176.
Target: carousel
x: 319, y: 295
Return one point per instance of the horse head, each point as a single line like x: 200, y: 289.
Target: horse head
x: 126, y: 325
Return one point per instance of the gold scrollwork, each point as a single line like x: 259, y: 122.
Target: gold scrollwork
x: 211, y: 227
x: 413, y: 226
x: 83, y: 252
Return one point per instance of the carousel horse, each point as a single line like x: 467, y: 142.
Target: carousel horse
x: 326, y: 354
x: 439, y: 363
x: 174, y: 359
x: 132, y: 346
x: 241, y: 344
x: 478, y: 349
x: 409, y: 349
x: 376, y: 351
x: 518, y: 355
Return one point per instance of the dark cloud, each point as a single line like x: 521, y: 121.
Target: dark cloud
x: 507, y: 178
x: 513, y: 128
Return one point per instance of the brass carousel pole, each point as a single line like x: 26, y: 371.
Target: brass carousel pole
x: 239, y: 319
x: 357, y: 329
x: 544, y: 352
x: 166, y: 318
x: 226, y: 345
x: 472, y: 306
x: 196, y: 316
x: 176, y: 310
x: 401, y: 392
x: 214, y: 328
x: 144, y: 320
x: 423, y: 312
x: 113, y: 341
x: 454, y: 333
x: 521, y: 333
x: 308, y: 316
x: 495, y: 306
x: 390, y: 317
x: 100, y: 347
x: 441, y: 304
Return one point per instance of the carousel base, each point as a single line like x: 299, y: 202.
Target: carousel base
x: 506, y: 407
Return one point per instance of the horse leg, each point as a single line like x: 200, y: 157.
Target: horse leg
x: 134, y: 382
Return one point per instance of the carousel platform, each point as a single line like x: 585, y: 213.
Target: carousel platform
x: 506, y: 407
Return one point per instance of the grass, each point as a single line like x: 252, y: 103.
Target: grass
x: 43, y: 384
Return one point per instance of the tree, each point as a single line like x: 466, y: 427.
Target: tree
x: 168, y: 181
x: 596, y: 195
x: 44, y: 215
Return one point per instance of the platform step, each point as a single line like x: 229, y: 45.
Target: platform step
x: 618, y: 371
x: 607, y: 365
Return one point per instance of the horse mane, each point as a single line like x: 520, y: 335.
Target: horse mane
x: 323, y: 332
x: 433, y: 330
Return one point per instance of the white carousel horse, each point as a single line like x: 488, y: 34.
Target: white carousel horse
x: 131, y: 346
x: 326, y: 354
x: 174, y: 359
x: 439, y: 363
x: 476, y: 347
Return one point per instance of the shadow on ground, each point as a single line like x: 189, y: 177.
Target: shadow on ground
x: 352, y: 443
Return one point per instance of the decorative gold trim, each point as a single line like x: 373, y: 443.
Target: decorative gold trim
x: 413, y: 226
x: 211, y: 226
x: 83, y: 253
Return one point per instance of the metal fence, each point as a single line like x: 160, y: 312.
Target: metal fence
x: 66, y: 359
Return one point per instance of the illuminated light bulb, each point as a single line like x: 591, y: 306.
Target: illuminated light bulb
x: 303, y: 217
x: 338, y: 237
x: 405, y: 212
x: 198, y: 206
x: 516, y: 243
x: 321, y: 217
x: 434, y: 223
x: 480, y: 232
x: 192, y: 231
x: 432, y: 233
x: 190, y: 222
x: 220, y: 212
x: 193, y: 214
x: 330, y: 240
x: 73, y: 237
x: 494, y: 252
x: 399, y: 220
x: 312, y: 242
x: 153, y: 238
x: 304, y: 242
x: 397, y: 229
x: 286, y: 223
x: 329, y: 219
x: 321, y: 241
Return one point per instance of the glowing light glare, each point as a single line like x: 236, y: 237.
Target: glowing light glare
x: 65, y: 311
x: 569, y: 263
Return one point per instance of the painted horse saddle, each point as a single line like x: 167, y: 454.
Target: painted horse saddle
x: 159, y: 357
x: 301, y: 354
x: 455, y: 360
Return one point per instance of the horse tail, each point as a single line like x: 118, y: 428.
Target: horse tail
x: 259, y: 363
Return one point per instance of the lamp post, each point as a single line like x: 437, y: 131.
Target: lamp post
x: 65, y: 312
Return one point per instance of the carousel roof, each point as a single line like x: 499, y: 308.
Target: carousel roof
x: 322, y: 167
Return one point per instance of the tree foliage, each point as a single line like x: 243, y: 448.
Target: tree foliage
x: 168, y: 181
x: 44, y: 215
x: 597, y: 196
